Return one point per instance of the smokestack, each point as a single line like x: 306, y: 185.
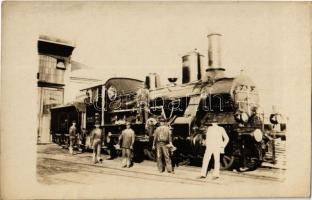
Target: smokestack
x: 214, y: 69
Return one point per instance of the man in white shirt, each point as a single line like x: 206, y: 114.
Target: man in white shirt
x: 216, y: 141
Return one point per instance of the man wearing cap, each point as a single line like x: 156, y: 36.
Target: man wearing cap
x: 96, y: 138
x: 163, y: 141
x: 127, y: 140
x: 72, y: 137
x: 150, y: 127
x: 216, y: 138
x: 142, y: 99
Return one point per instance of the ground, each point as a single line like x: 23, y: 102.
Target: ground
x: 56, y: 166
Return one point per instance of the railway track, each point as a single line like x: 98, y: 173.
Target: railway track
x: 125, y: 172
x: 184, y: 174
x: 277, y: 160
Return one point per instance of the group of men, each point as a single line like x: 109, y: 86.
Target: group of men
x: 126, y: 139
x: 216, y: 141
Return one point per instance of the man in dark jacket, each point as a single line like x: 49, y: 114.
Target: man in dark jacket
x: 96, y: 139
x: 150, y: 127
x: 163, y: 142
x: 127, y: 138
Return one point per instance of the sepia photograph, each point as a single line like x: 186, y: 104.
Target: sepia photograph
x: 127, y: 100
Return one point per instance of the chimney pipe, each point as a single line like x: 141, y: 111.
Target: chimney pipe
x: 214, y: 69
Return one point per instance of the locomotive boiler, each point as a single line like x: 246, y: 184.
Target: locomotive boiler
x: 208, y: 95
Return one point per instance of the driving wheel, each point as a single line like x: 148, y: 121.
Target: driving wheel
x: 226, y: 162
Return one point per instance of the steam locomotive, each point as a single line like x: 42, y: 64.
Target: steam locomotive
x: 205, y: 95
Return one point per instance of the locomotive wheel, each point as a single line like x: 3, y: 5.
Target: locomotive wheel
x: 251, y: 164
x: 56, y: 140
x: 250, y: 159
x: 150, y: 154
x: 66, y: 142
x: 226, y: 162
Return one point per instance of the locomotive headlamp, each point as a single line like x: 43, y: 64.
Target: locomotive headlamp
x: 244, y: 117
x: 241, y: 117
x: 257, y: 135
x: 275, y: 118
x: 112, y: 93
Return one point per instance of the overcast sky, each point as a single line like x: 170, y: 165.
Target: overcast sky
x: 265, y: 39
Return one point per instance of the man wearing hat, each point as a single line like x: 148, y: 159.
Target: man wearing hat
x: 150, y: 127
x: 163, y: 141
x: 127, y: 138
x: 216, y: 138
x: 96, y: 138
x: 72, y: 137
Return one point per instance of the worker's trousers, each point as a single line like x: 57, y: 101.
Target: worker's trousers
x: 126, y: 157
x: 163, y: 154
x: 208, y: 154
x: 72, y: 143
x: 96, y: 151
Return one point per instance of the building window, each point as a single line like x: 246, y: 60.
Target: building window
x: 60, y: 64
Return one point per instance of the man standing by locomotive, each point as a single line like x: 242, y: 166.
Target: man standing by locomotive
x: 142, y: 99
x: 150, y: 127
x: 96, y: 139
x: 216, y: 141
x: 110, y: 145
x: 127, y: 140
x: 163, y: 141
x: 72, y: 137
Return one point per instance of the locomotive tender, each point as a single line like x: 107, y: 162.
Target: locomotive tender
x: 205, y: 95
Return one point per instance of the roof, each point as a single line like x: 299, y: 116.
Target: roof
x: 80, y: 106
x: 87, y: 74
x: 54, y: 48
x: 75, y: 65
x: 114, y: 80
x: 124, y: 85
x: 56, y: 40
